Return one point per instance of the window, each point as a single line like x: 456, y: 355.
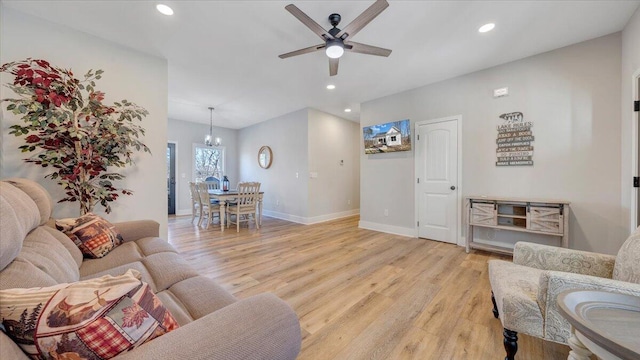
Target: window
x: 393, y: 138
x: 207, y: 161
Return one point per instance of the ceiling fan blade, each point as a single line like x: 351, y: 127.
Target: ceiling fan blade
x: 366, y: 49
x: 333, y: 66
x: 305, y: 19
x: 310, y: 49
x: 363, y: 19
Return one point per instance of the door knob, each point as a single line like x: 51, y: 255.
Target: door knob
x: 452, y: 187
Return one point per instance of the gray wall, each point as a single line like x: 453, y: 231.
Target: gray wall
x: 336, y: 190
x: 630, y: 69
x: 128, y: 75
x: 185, y: 134
x: 285, y: 194
x: 304, y: 142
x: 572, y: 95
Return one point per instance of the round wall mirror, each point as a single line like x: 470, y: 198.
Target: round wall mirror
x: 264, y: 157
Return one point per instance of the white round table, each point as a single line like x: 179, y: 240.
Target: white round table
x: 603, y: 323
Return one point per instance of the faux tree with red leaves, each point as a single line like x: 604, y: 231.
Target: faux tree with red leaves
x: 71, y: 130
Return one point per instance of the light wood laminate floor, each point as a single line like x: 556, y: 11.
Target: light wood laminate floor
x: 361, y: 294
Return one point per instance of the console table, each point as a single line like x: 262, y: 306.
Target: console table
x: 536, y: 216
x: 603, y: 323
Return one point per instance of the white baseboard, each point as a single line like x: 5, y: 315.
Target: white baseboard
x: 390, y: 229
x: 310, y: 220
x: 181, y: 212
x: 334, y: 216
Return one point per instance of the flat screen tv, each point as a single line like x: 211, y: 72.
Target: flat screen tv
x: 389, y: 137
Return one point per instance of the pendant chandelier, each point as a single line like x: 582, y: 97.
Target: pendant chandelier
x: 209, y: 140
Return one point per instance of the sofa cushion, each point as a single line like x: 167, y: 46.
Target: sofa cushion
x: 201, y: 296
x: 76, y: 254
x: 175, y: 306
x: 154, y: 245
x: 123, y: 254
x: 48, y: 254
x: 627, y: 267
x: 23, y: 274
x: 42, y: 261
x: 18, y: 216
x: 100, y: 317
x: 95, y: 236
x: 38, y: 194
x: 167, y: 269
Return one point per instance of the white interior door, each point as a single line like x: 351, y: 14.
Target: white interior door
x: 437, y: 172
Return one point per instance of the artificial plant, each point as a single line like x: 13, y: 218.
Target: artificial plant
x: 71, y: 130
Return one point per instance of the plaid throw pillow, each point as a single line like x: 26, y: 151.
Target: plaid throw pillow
x: 91, y: 319
x: 93, y: 235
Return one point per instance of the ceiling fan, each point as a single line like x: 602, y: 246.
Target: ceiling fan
x: 337, y: 41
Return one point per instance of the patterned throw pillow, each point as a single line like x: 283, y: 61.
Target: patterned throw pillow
x: 93, y: 235
x: 91, y: 319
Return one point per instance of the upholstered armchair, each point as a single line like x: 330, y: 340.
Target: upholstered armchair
x: 524, y: 291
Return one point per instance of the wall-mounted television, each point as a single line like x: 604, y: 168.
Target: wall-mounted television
x: 389, y: 137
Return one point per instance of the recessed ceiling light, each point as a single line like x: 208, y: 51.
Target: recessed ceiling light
x: 347, y: 110
x: 486, y: 27
x: 331, y: 86
x: 164, y: 9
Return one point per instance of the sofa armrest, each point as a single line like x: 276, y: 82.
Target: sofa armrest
x: 259, y: 327
x: 552, y: 283
x: 138, y: 229
x: 546, y: 257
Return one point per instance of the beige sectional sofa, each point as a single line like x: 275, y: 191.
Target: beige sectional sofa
x: 213, y: 323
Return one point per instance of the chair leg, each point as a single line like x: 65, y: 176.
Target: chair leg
x: 510, y: 344
x: 238, y: 223
x: 495, y: 306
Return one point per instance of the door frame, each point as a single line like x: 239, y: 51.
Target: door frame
x: 460, y: 205
x: 175, y: 176
x: 635, y: 166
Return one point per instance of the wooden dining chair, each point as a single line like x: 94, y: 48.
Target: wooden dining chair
x: 208, y: 207
x: 213, y: 184
x: 196, y: 209
x: 245, y: 204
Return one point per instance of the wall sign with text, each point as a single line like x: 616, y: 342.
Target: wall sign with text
x: 514, y: 141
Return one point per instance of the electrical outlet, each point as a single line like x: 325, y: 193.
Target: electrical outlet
x: 348, y: 202
x: 296, y: 175
x: 277, y: 202
x: 386, y: 212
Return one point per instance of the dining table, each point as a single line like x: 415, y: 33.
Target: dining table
x: 224, y: 196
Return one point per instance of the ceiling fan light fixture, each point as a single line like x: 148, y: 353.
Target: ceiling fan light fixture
x: 164, y: 9
x: 335, y: 49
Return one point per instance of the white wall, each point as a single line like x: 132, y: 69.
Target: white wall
x: 128, y: 75
x: 572, y: 95
x: 185, y: 134
x: 285, y: 195
x: 630, y: 69
x: 336, y: 191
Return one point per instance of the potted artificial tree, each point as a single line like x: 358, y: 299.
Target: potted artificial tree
x: 70, y: 130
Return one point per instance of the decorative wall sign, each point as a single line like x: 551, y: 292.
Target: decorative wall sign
x: 514, y: 141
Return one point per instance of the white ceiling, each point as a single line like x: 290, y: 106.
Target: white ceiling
x: 225, y: 53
